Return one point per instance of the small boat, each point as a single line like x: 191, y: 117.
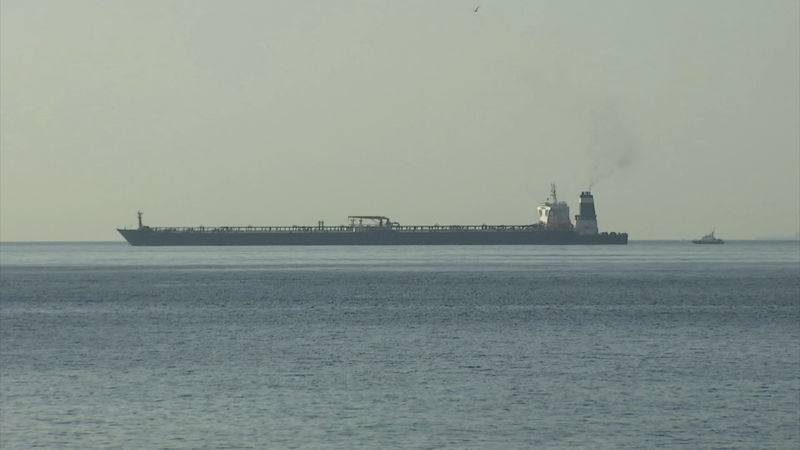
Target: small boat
x: 708, y: 239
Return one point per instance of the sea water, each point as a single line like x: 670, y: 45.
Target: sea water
x: 653, y: 344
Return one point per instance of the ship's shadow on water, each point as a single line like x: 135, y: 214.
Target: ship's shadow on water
x: 651, y: 344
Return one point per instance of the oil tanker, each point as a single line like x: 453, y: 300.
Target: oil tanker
x: 553, y: 227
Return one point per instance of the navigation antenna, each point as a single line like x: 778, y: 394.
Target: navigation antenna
x: 139, y: 213
x: 553, y: 193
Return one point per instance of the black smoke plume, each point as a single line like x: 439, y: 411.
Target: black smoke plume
x: 612, y: 147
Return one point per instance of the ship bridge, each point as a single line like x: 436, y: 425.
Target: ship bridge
x: 553, y: 214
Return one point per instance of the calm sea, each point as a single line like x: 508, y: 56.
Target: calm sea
x: 654, y: 344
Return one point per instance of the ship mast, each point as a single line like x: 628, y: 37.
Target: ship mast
x: 139, y: 213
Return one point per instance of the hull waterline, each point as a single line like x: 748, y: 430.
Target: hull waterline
x: 383, y: 237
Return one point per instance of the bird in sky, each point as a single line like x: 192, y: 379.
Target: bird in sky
x: 476, y: 9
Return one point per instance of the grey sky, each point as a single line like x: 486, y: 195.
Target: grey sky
x: 684, y: 115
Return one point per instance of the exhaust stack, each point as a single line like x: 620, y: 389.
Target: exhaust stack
x: 586, y: 221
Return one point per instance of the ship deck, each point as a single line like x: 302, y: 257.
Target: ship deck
x: 344, y: 229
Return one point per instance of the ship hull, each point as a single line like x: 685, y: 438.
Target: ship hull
x: 147, y: 237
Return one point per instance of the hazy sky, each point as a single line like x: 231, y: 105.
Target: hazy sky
x: 684, y: 115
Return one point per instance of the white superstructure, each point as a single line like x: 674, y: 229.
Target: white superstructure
x: 553, y: 214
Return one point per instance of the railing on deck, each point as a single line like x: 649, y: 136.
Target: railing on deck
x: 345, y: 229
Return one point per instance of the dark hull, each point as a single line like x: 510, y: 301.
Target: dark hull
x: 377, y: 237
